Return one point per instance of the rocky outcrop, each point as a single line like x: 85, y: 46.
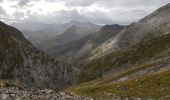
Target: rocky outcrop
x: 15, y: 93
x: 22, y: 64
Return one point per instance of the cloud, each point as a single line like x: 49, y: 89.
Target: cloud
x: 19, y: 15
x: 80, y: 2
x: 23, y: 2
x: 2, y: 11
x: 3, y: 14
x: 97, y: 11
x: 112, y: 3
x: 97, y: 16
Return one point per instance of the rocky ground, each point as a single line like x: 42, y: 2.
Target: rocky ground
x: 15, y: 93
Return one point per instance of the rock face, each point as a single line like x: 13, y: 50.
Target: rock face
x: 22, y: 64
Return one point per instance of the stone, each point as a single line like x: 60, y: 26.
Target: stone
x: 36, y: 94
x: 5, y: 96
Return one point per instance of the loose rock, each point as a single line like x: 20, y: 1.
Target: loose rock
x: 13, y: 93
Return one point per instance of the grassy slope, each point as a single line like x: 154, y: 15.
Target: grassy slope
x: 153, y: 86
x: 137, y: 55
x: 146, y: 54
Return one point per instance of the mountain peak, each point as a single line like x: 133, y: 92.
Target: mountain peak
x: 74, y: 22
x: 111, y: 27
x: 73, y: 27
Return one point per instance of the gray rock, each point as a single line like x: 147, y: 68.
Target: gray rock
x: 34, y: 94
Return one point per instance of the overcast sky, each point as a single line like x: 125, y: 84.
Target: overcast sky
x: 59, y: 11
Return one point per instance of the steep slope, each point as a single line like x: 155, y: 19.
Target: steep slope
x: 67, y: 52
x: 22, y: 64
x: 82, y: 49
x: 138, y: 68
x: 140, y: 72
x: 93, y: 45
x: 122, y: 59
x: 154, y: 25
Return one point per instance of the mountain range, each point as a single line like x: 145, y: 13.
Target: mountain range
x: 47, y: 35
x: 80, y: 49
x: 116, y: 62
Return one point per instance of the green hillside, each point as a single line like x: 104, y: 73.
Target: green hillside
x: 139, y: 54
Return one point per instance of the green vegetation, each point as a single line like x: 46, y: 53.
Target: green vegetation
x: 141, y: 56
x: 155, y: 86
x: 136, y: 55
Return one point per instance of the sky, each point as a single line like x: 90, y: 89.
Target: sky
x: 61, y: 11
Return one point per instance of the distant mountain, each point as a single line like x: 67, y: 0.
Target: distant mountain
x: 36, y: 37
x: 33, y: 26
x: 75, y: 32
x: 40, y: 33
x: 68, y: 51
x: 67, y: 36
x: 82, y: 48
x: 22, y: 64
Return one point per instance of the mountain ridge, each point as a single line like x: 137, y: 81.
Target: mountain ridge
x: 90, y: 42
x: 22, y: 63
x: 45, y: 32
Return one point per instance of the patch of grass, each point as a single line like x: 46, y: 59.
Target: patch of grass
x: 129, y: 71
x: 155, y: 86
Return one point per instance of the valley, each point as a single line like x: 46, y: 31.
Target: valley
x: 79, y: 60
